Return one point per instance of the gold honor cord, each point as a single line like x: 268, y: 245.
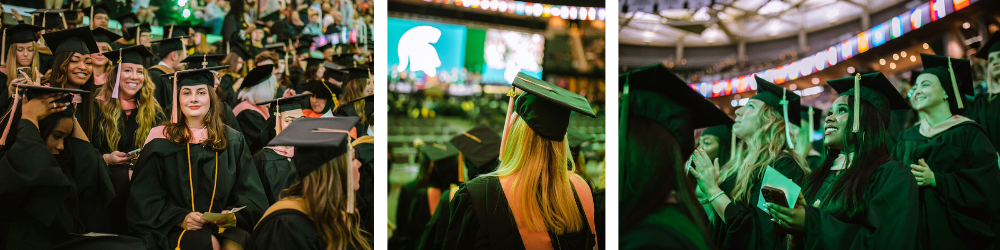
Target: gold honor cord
x: 211, y: 203
x: 474, y: 138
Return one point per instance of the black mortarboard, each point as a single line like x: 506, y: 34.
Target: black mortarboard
x: 445, y: 168
x: 546, y: 108
x: 302, y: 49
x: 324, y: 47
x: 133, y: 54
x: 346, y: 59
x: 21, y: 33
x: 873, y: 88
x: 240, y: 49
x: 202, y: 29
x: 145, y: 28
x: 479, y: 146
x: 286, y: 103
x: 655, y: 93
x: 257, y: 75
x: 102, y: 35
x: 274, y: 17
x: 369, y: 104
x: 311, y: 61
x: 101, y: 8
x: 331, y: 29
x: 49, y: 18
x: 176, y: 30
x: 30, y: 92
x: 324, y: 90
x: 306, y: 40
x: 576, y: 139
x: 357, y: 73
x: 78, y: 40
x: 170, y: 45
x: 204, y: 60
x: 275, y: 47
x: 316, y: 141
x: 334, y: 71
x: 127, y: 19
x: 191, y: 77
x: 946, y: 69
x: 992, y: 45
x: 786, y: 102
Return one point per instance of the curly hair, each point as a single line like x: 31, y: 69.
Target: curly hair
x: 325, y: 194
x: 111, y: 110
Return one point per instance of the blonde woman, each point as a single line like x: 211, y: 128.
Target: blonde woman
x: 21, y: 52
x: 127, y: 111
x: 539, y: 204
x: 101, y: 63
x: 319, y: 212
x: 766, y: 143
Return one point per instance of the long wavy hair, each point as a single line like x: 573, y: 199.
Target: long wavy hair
x: 11, y: 63
x: 870, y: 152
x: 763, y: 148
x: 543, y: 185
x: 218, y: 138
x: 324, y: 193
x: 644, y: 190
x: 111, y: 110
x: 59, y: 78
x: 354, y: 89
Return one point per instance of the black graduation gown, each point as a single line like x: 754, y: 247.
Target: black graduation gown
x: 228, y: 94
x: 667, y: 228
x: 746, y: 226
x: 48, y: 200
x: 481, y: 219
x: 295, y: 74
x: 230, y: 118
x: 276, y: 173
x: 888, y: 222
x: 437, y: 227
x: 160, y: 194
x: 5, y: 99
x: 955, y: 213
x: 128, y: 127
x: 286, y: 229
x: 162, y: 92
x: 412, y: 215
x: 984, y: 111
x: 366, y: 191
x: 231, y: 26
x: 254, y: 129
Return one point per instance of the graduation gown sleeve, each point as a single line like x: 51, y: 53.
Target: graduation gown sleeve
x: 247, y: 190
x: 162, y: 92
x: 149, y: 214
x: 888, y: 222
x: 286, y: 229
x: 399, y: 235
x: 253, y: 125
x: 228, y: 94
x: 748, y: 227
x: 93, y: 186
x: 464, y: 227
x: 665, y: 229
x: 437, y: 227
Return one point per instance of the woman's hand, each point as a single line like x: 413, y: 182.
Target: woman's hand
x: 789, y: 218
x: 923, y: 174
x: 116, y: 158
x: 192, y: 221
x: 41, y: 107
x: 226, y: 222
x: 706, y: 171
x: 288, y: 92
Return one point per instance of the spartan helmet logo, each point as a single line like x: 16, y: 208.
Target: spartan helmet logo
x: 415, y: 50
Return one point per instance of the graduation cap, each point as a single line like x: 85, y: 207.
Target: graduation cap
x: 276, y: 47
x: 191, y: 77
x: 134, y: 55
x: 992, y: 45
x: 312, y: 61
x: 170, y: 45
x: 79, y: 40
x: 780, y: 98
x: 256, y: 76
x: 545, y: 107
x: 204, y: 60
x: 875, y: 89
x: 346, y: 59
x: 443, y: 160
x: 30, y: 92
x: 334, y: 71
x: 21, y: 33
x: 655, y: 93
x: 324, y: 47
x: 954, y: 74
x: 369, y: 104
x: 176, y: 30
x: 102, y: 35
x: 306, y: 40
x: 479, y: 146
x: 127, y: 19
x: 331, y: 29
x: 358, y: 73
x: 101, y: 8
x: 324, y: 90
x: 274, y: 17
x: 318, y: 141
x: 202, y: 29
x: 302, y: 49
x: 50, y: 18
x: 240, y: 50
x: 283, y: 104
x: 726, y: 138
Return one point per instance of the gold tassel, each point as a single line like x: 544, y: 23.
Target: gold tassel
x: 954, y: 85
x: 784, y: 108
x: 461, y: 164
x: 857, y: 102
x: 3, y: 48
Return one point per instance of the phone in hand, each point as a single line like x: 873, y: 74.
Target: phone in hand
x: 133, y: 153
x: 25, y: 70
x: 774, y: 195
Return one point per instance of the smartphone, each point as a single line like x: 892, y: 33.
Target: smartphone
x: 774, y: 195
x: 133, y: 153
x: 25, y: 70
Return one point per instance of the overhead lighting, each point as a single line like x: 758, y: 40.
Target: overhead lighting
x: 701, y: 15
x: 892, y: 65
x: 895, y: 56
x: 926, y: 46
x: 913, y: 58
x: 966, y: 25
x: 902, y: 53
x: 773, y: 7
x: 881, y: 61
x: 850, y: 70
x: 815, y: 80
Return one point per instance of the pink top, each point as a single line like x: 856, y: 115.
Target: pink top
x: 541, y: 240
x: 433, y: 197
x: 284, y: 151
x: 198, y: 134
x: 244, y: 105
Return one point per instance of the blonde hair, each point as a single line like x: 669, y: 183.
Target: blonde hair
x: 324, y: 193
x: 12, y: 63
x: 261, y: 92
x: 111, y: 110
x: 543, y: 181
x: 763, y: 148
